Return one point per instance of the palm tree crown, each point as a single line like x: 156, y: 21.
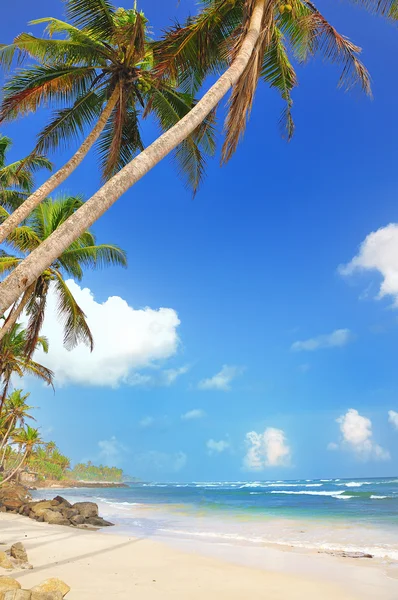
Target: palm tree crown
x: 102, y: 52
x: 84, y: 252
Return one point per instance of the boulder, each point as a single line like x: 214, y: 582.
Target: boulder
x: 37, y: 507
x: 17, y: 595
x: 46, y: 596
x: 8, y: 583
x: 68, y: 513
x: 87, y: 509
x: 77, y: 520
x: 62, y: 501
x: 5, y: 562
x: 18, y: 552
x: 52, y: 585
x: 54, y: 518
x: 98, y: 522
x: 13, y: 496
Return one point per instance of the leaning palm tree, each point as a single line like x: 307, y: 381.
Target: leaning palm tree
x: 84, y: 252
x: 99, y: 73
x: 13, y: 360
x: 15, y: 413
x: 16, y: 179
x: 252, y: 38
x: 27, y: 439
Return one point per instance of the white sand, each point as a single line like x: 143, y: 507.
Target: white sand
x: 101, y: 565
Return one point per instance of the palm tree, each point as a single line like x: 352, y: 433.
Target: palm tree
x: 13, y: 359
x: 16, y: 411
x: 50, y: 447
x: 84, y: 252
x: 251, y: 37
x: 16, y: 179
x: 100, y: 71
x: 27, y: 440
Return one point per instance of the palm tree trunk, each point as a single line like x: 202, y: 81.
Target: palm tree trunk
x: 16, y: 312
x: 4, y: 394
x: 6, y: 436
x: 57, y: 178
x: 15, y: 470
x: 40, y: 259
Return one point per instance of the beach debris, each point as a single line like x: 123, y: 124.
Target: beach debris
x: 8, y: 583
x: 52, y: 585
x: 346, y: 554
x: 87, y: 509
x: 5, y: 562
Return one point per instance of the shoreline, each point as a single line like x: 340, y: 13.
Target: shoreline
x: 98, y: 565
x: 72, y: 483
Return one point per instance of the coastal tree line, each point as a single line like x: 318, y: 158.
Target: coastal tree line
x: 101, y: 74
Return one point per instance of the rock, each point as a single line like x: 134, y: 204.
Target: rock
x: 18, y: 551
x: 87, y: 509
x: 5, y: 562
x: 77, y: 520
x: 62, y: 501
x: 55, y: 518
x: 345, y: 554
x: 17, y: 595
x: 8, y: 583
x: 68, y: 513
x: 13, y: 496
x: 3, y: 508
x: 52, y: 585
x: 98, y: 522
x: 46, y: 596
x: 39, y: 506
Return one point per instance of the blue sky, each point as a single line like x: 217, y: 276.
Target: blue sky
x: 246, y: 270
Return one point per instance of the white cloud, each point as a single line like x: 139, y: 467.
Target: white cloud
x: 357, y: 436
x: 214, y: 447
x: 379, y: 252
x: 146, y: 422
x: 196, y: 413
x: 338, y: 338
x: 111, y: 451
x: 221, y: 380
x: 268, y: 449
x: 156, y: 377
x: 393, y: 418
x: 169, y: 376
x: 126, y: 340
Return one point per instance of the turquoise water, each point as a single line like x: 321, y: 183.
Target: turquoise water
x: 356, y: 514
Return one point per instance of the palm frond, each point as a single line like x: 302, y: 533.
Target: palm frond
x: 121, y: 138
x: 278, y: 72
x: 102, y: 255
x: 83, y: 37
x: 70, y: 123
x: 35, y: 310
x: 73, y: 318
x: 12, y: 199
x: 24, y: 239
x: 338, y: 49
x: 30, y: 88
x: 53, y: 51
x: 95, y: 16
x: 8, y: 263
x: 171, y: 106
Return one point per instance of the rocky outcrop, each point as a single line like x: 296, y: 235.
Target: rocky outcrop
x: 58, y: 511
x: 5, y: 562
x: 87, y: 509
x: 13, y: 496
x: 51, y: 589
x: 18, y: 552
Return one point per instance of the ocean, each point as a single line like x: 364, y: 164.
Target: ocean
x: 357, y: 515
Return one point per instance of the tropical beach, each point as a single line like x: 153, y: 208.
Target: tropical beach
x: 198, y: 299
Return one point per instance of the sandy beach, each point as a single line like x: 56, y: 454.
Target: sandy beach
x: 102, y: 565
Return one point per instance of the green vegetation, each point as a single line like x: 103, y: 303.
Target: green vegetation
x: 89, y: 472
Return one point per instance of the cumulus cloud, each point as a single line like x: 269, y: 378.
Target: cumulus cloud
x: 267, y: 449
x: 111, y: 451
x: 379, y: 252
x: 214, y: 447
x: 196, y: 413
x: 156, y: 377
x: 393, y: 418
x: 221, y: 380
x: 357, y: 436
x: 126, y: 340
x: 338, y: 338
